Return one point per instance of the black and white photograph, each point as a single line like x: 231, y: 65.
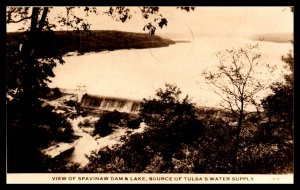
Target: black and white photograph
x: 167, y: 94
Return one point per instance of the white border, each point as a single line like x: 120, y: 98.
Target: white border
x: 142, y: 178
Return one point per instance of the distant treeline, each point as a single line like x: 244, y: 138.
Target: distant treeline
x: 91, y: 41
x: 274, y: 37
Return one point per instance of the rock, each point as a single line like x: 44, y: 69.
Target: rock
x: 59, y: 149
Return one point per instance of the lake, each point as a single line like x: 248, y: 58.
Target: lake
x: 137, y: 73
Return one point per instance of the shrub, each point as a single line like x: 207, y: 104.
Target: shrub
x: 71, y: 103
x: 56, y: 93
x: 134, y: 123
x: 30, y: 129
x: 173, y: 124
x: 85, y: 123
x: 104, y: 126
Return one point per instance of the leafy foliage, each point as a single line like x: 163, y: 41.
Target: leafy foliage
x: 168, y: 112
x: 134, y: 123
x: 30, y: 129
x: 30, y: 60
x: 279, y: 106
x: 175, y: 139
x: 237, y: 82
x: 153, y: 151
x: 105, y: 125
x: 172, y: 123
x: 263, y: 158
x: 30, y: 124
x: 61, y: 166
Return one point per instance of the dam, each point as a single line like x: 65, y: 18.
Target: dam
x: 104, y: 103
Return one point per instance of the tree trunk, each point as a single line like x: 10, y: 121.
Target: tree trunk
x: 36, y: 26
x: 28, y: 61
x: 34, y: 19
x: 237, y: 141
x: 42, y: 22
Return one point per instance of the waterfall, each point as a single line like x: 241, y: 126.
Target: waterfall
x: 110, y: 103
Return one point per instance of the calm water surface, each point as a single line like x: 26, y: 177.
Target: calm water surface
x: 137, y: 73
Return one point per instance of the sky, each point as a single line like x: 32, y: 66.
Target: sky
x: 204, y: 20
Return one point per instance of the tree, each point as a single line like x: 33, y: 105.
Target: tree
x: 280, y: 102
x: 105, y: 125
x: 30, y: 64
x: 171, y: 119
x: 237, y: 82
x: 280, y: 105
x: 30, y: 124
x: 172, y: 125
x: 167, y: 108
x: 30, y: 67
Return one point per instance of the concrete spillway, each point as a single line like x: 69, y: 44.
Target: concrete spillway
x: 110, y: 103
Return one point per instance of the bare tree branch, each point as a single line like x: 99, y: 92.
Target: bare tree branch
x: 236, y: 84
x: 17, y: 14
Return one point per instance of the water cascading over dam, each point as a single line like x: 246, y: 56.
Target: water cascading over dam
x: 105, y: 103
